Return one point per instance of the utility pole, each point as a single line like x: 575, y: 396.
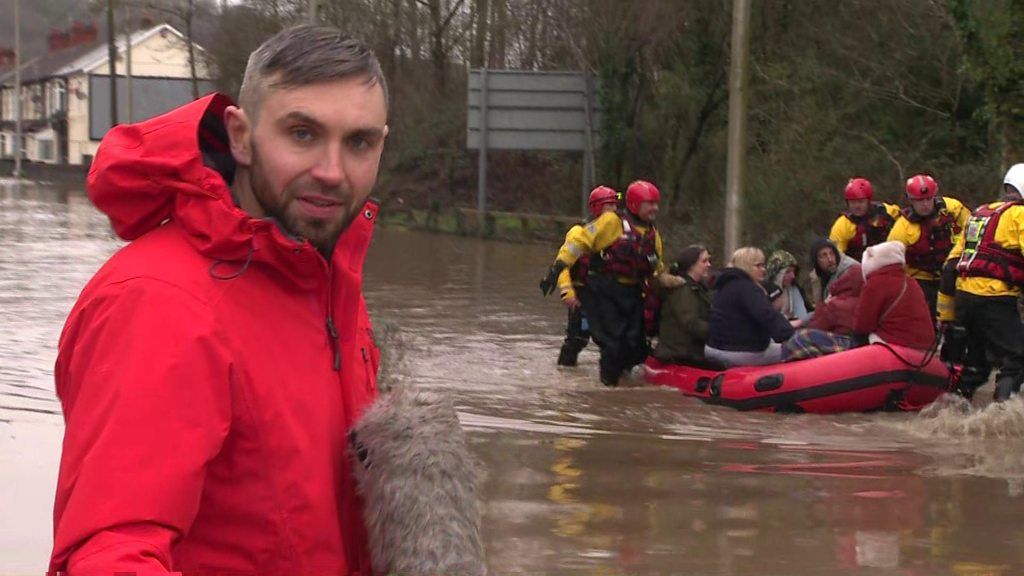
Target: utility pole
x: 17, y: 89
x: 312, y: 11
x: 112, y: 56
x: 737, y: 135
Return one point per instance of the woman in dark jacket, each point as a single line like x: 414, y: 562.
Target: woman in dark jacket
x: 684, y: 310
x: 744, y: 329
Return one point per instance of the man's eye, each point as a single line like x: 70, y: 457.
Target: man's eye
x: 359, y: 143
x: 301, y: 134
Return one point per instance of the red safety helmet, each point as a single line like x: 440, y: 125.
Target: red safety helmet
x: 922, y: 187
x: 859, y: 189
x: 639, y: 192
x: 599, y: 197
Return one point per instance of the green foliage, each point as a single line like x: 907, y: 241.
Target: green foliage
x: 993, y: 57
x: 881, y: 89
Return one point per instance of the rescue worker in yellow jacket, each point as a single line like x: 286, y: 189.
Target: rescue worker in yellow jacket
x: 624, y: 250
x: 981, y: 284
x: 577, y: 330
x: 865, y: 223
x: 929, y: 228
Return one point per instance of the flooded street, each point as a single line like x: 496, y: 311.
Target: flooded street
x: 580, y: 479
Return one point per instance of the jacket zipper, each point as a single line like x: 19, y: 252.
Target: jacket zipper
x: 332, y: 330
x: 332, y: 333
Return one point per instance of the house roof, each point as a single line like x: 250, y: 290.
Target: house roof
x: 81, y: 58
x: 99, y: 56
x: 46, y: 65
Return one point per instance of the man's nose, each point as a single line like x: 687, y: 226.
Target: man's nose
x: 329, y: 169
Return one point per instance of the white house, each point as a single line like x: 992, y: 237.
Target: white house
x: 66, y: 92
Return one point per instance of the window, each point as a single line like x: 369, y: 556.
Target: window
x: 46, y: 149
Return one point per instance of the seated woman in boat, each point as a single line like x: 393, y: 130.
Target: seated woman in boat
x: 783, y: 271
x: 831, y: 327
x: 743, y: 327
x: 684, y: 310
x: 892, y: 306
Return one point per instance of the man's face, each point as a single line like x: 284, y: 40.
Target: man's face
x: 312, y: 155
x: 923, y: 207
x: 647, y: 211
x: 827, y: 259
x: 859, y: 207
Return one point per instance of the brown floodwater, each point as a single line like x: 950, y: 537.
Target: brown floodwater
x: 580, y: 479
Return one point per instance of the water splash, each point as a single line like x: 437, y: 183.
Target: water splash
x: 952, y: 417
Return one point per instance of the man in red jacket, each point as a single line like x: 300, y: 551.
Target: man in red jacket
x: 210, y: 372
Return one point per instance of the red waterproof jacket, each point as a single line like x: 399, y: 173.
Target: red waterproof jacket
x: 836, y: 313
x: 207, y: 404
x: 897, y: 319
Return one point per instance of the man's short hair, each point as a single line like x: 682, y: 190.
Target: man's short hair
x: 303, y: 55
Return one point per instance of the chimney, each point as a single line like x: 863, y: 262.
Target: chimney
x: 82, y: 34
x: 58, y: 40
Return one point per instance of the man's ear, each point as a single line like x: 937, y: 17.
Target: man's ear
x: 239, y: 129
x: 386, y: 130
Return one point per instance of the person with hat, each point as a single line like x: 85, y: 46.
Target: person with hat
x: 782, y: 271
x: 577, y: 330
x: 865, y: 223
x: 980, y: 288
x: 625, y: 250
x: 928, y: 228
x: 828, y: 264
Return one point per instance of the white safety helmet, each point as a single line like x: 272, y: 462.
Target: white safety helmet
x: 1015, y: 177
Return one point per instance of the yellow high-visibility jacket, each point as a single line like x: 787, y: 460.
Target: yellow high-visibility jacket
x: 592, y: 238
x: 909, y: 233
x: 1010, y: 235
x: 844, y: 230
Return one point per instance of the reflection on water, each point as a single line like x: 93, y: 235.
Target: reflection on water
x: 580, y: 479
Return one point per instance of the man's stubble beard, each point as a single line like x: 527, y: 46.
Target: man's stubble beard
x: 322, y: 234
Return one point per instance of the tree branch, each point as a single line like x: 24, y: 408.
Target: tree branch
x: 873, y: 140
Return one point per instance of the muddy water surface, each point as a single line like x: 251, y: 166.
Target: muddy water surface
x: 581, y: 479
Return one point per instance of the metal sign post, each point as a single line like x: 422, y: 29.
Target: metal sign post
x: 481, y: 183
x: 519, y: 110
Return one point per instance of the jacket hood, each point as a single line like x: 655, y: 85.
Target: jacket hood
x: 779, y: 262
x: 178, y: 166
x: 730, y: 274
x: 816, y: 246
x: 882, y: 255
x: 848, y: 284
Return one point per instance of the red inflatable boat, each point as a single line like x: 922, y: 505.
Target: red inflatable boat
x: 874, y: 377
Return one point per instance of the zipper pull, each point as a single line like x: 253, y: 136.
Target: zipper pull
x: 332, y: 331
